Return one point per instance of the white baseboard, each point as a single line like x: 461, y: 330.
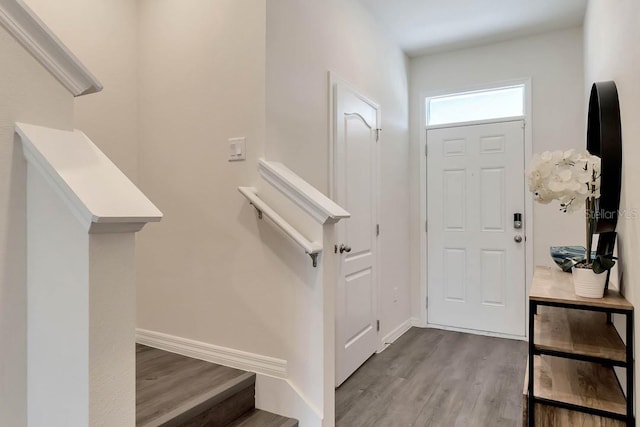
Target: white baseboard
x: 392, y: 336
x: 418, y: 323
x: 238, y: 359
x: 477, y: 332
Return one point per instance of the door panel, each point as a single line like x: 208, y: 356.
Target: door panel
x: 455, y: 196
x: 357, y: 290
x: 358, y: 197
x: 355, y: 172
x: 476, y: 270
x: 455, y: 261
x: 493, y: 277
x: 492, y: 209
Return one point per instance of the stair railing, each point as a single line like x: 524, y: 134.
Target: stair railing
x: 303, y: 194
x: 313, y: 249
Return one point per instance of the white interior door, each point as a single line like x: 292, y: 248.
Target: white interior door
x: 476, y: 256
x: 355, y: 189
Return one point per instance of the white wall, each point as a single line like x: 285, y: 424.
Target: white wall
x: 554, y: 62
x: 29, y: 94
x: 210, y: 271
x: 103, y: 35
x: 611, y: 35
x: 305, y: 40
x: 203, y: 273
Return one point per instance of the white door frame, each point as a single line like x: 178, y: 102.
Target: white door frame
x: 528, y: 153
x: 334, y: 80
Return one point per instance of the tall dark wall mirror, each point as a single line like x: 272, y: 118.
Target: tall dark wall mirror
x: 604, y: 139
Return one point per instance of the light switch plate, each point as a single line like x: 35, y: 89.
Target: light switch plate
x: 237, y: 149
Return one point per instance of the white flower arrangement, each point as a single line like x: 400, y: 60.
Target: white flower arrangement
x: 567, y: 176
x: 574, y: 180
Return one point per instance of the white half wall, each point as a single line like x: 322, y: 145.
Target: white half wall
x: 58, y: 396
x: 554, y: 63
x: 81, y: 299
x: 30, y: 94
x: 611, y: 35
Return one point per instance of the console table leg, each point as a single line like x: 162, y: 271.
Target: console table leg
x: 533, y: 309
x: 630, y: 369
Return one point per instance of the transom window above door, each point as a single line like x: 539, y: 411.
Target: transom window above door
x: 487, y: 104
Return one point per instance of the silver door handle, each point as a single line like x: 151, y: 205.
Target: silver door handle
x: 517, y: 238
x: 345, y: 248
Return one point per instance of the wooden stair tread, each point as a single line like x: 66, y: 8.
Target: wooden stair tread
x: 578, y: 383
x: 259, y: 418
x: 172, y: 388
x: 579, y: 332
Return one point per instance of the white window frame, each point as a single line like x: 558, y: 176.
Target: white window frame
x: 483, y: 89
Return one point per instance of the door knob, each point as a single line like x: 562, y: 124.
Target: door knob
x: 517, y: 238
x: 345, y: 248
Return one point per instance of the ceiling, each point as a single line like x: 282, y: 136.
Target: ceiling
x: 427, y: 26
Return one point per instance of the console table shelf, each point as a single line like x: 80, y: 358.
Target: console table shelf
x: 573, y: 349
x: 578, y: 334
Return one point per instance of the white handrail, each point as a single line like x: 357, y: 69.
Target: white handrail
x: 310, y: 248
x: 25, y: 26
x: 310, y: 199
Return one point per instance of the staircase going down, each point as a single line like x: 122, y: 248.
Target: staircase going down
x: 178, y: 391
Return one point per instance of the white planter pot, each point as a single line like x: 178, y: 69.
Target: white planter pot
x: 587, y: 283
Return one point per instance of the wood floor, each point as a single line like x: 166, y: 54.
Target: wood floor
x: 169, y: 385
x: 430, y: 377
x: 178, y: 391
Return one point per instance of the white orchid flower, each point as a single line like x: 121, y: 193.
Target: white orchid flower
x: 569, y: 176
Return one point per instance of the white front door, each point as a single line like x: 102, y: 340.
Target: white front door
x: 476, y: 260
x: 355, y: 188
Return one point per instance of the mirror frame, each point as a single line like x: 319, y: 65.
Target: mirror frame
x: 604, y: 139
